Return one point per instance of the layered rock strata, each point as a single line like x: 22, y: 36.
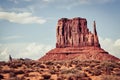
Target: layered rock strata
x: 74, y: 33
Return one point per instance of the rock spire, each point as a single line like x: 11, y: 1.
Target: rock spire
x: 96, y: 41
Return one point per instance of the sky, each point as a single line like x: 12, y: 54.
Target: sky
x: 28, y: 27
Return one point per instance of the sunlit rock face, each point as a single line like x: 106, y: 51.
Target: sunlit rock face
x: 74, y: 33
x: 75, y: 41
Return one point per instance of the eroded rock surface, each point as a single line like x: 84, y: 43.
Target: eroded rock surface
x: 74, y: 33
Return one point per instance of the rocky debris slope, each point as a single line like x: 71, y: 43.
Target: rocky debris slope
x: 84, y: 53
x: 59, y: 70
x: 75, y: 41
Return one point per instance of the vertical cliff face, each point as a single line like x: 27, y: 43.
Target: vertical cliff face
x: 74, y: 33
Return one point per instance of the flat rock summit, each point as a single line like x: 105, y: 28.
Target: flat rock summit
x: 76, y: 42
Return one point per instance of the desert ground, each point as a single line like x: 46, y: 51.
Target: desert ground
x: 21, y: 69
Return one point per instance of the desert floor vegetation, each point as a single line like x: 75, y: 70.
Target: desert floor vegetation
x: 59, y: 70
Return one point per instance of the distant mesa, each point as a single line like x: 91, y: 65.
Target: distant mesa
x: 75, y: 41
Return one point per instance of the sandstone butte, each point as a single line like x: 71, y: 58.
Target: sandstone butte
x: 76, y: 42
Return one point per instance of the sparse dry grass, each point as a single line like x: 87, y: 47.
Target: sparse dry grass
x: 110, y: 77
x: 60, y: 70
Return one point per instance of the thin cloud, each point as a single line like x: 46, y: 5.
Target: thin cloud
x: 78, y: 1
x: 21, y: 18
x: 68, y: 4
x: 34, y: 5
x: 4, y: 55
x: 28, y: 0
x: 117, y: 43
x: 94, y: 1
x: 18, y: 1
x: 12, y: 37
x: 14, y: 1
x: 112, y: 46
x: 23, y: 50
x: 48, y: 0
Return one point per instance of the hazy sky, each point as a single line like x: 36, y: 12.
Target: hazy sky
x: 28, y: 27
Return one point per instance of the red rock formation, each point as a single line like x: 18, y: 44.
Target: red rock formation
x: 74, y: 33
x: 75, y: 41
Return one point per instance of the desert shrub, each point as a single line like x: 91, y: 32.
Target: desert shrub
x: 72, y: 77
x: 7, y: 71
x: 110, y: 77
x: 51, y: 67
x: 16, y: 78
x: 99, y: 67
x: 12, y: 74
x: 2, y: 63
x: 93, y: 72
x: 107, y: 64
x: 46, y: 76
x: 19, y: 72
x: 89, y: 70
x: 19, y: 64
x: 108, y: 67
x: 74, y: 62
x: 69, y: 71
x: 15, y: 65
x: 59, y: 78
x: 84, y: 64
x: 96, y: 72
x: 81, y: 75
x: 42, y: 66
x: 109, y: 70
x: 77, y: 76
x: 28, y: 70
x: 93, y: 65
x: 85, y: 78
x: 27, y: 63
x: 95, y: 61
x: 26, y: 75
x: 61, y: 62
x: 49, y: 63
x: 66, y: 76
x: 58, y: 66
x: 117, y: 73
x: 52, y: 71
x: 37, y: 64
x: 70, y: 65
x: 79, y: 68
x: 1, y: 76
x: 32, y: 63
